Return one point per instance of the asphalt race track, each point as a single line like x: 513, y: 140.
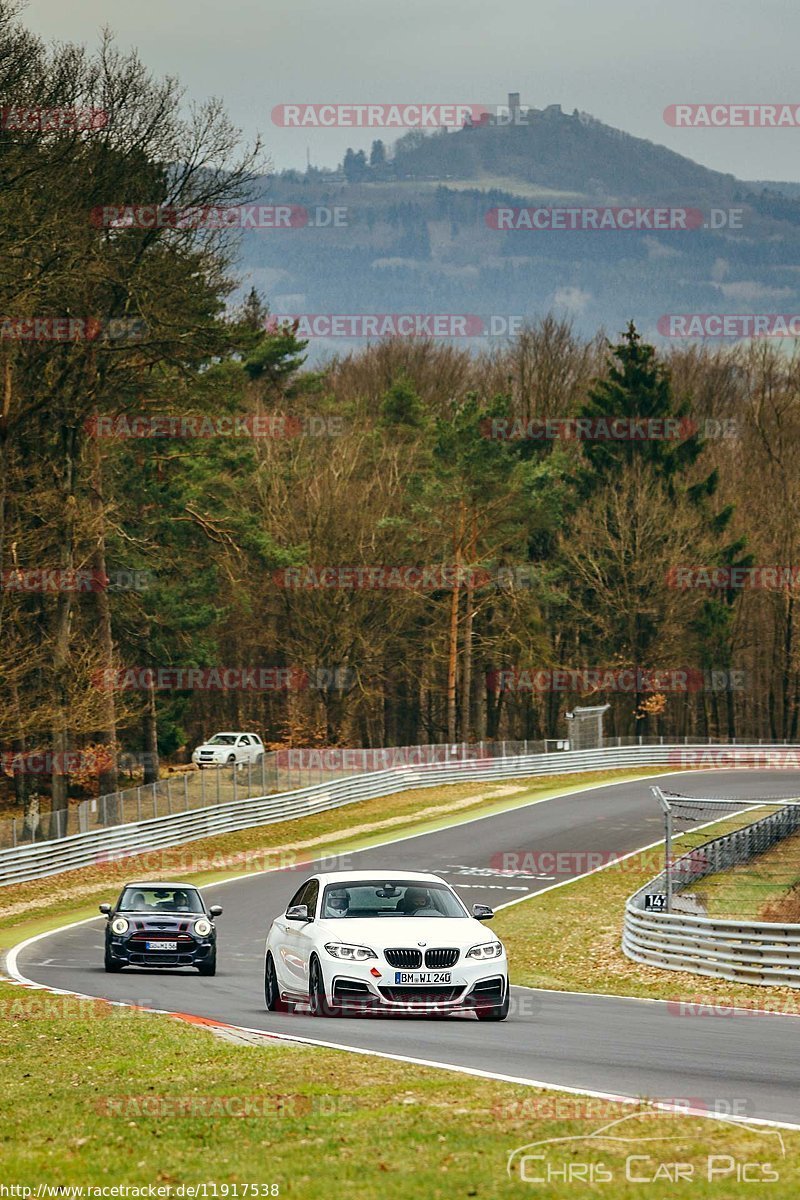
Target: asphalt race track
x: 745, y: 1063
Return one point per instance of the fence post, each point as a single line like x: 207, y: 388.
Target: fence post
x: 139, y: 803
x: 202, y: 787
x: 155, y: 798
x: 249, y: 778
x: 14, y: 831
x: 218, y: 770
x: 263, y: 774
x: 235, y: 797
x: 169, y: 796
x: 186, y: 790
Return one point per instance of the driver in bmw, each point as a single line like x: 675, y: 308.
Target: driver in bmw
x: 338, y: 903
x: 416, y: 899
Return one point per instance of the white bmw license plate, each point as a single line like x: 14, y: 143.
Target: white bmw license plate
x: 161, y: 945
x: 423, y: 977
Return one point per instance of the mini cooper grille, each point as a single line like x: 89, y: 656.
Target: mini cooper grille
x: 407, y: 959
x: 140, y: 939
x: 441, y: 958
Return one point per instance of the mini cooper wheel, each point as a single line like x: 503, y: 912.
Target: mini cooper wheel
x: 209, y: 967
x: 320, y: 1007
x: 111, y: 964
x: 272, y: 992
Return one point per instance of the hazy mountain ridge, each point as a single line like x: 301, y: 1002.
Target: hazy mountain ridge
x: 417, y: 236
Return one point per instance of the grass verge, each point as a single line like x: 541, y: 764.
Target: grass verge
x: 102, y: 1097
x: 568, y: 939
x: 98, y: 1095
x: 764, y: 889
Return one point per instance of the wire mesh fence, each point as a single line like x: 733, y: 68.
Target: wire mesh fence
x: 281, y: 770
x: 750, y: 871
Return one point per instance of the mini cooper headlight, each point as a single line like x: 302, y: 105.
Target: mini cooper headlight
x: 202, y: 927
x: 350, y: 953
x: 119, y: 925
x: 486, y: 950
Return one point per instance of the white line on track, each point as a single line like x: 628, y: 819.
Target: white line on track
x: 17, y: 976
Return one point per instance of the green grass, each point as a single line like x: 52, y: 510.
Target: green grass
x: 568, y: 939
x: 102, y: 1098
x: 742, y: 892
x: 98, y: 1095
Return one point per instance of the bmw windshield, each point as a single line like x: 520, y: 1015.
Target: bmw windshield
x: 382, y: 898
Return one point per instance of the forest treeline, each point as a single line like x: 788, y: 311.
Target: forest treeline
x: 409, y: 544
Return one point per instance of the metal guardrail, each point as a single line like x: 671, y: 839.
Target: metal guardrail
x: 760, y: 952
x: 40, y: 859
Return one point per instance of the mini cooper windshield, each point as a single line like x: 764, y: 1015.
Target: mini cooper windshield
x: 380, y: 898
x: 160, y: 900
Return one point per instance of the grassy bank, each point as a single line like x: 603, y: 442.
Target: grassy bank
x: 569, y: 938
x: 94, y: 1096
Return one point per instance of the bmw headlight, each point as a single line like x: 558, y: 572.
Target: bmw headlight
x: 119, y: 925
x: 350, y: 953
x: 202, y: 927
x: 486, y: 950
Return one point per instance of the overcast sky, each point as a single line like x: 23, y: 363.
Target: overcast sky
x: 623, y: 61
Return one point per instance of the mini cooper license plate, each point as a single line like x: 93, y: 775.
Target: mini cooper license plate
x: 423, y: 977
x: 161, y: 945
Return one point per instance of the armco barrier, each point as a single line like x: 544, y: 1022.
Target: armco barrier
x: 81, y: 849
x: 761, y: 952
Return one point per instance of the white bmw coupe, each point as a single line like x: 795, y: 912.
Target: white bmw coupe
x: 369, y: 941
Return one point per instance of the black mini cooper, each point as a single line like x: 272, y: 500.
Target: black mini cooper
x: 161, y: 925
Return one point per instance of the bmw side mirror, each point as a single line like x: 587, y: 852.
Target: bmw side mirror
x: 298, y: 912
x: 215, y: 910
x: 482, y: 912
x: 105, y: 909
